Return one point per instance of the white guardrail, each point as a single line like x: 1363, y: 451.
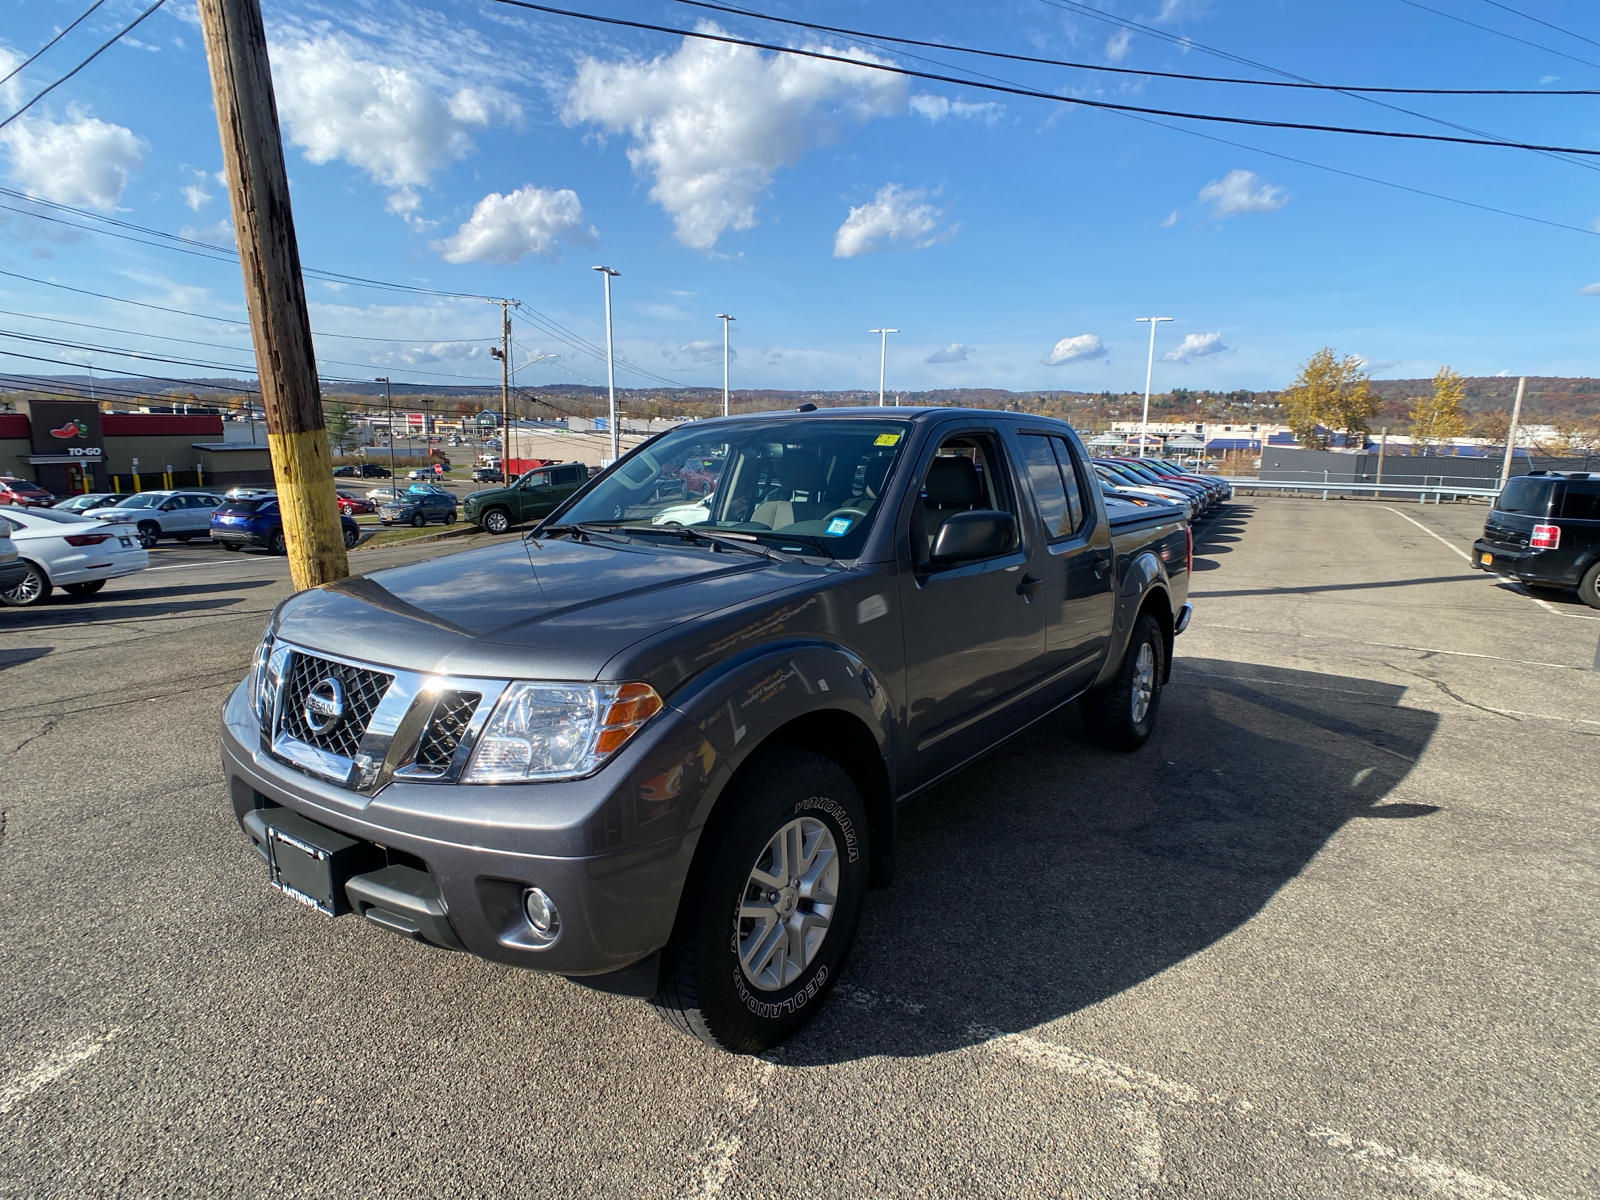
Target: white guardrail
x: 1420, y: 490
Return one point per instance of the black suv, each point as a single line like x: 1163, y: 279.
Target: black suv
x: 1544, y: 530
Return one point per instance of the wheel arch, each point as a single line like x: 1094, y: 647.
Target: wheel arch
x: 1158, y: 603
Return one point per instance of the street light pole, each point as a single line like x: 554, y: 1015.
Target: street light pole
x: 1149, y: 369
x: 611, y: 367
x: 389, y: 398
x: 883, y: 357
x: 725, y: 318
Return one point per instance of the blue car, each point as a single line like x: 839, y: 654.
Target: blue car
x: 255, y: 521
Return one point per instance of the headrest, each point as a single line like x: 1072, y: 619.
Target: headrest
x: 873, y: 473
x: 802, y: 473
x: 953, y: 483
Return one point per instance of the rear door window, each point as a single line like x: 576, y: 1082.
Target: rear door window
x: 1582, y: 502
x: 1070, y: 476
x: 1049, y: 493
x: 1526, y: 497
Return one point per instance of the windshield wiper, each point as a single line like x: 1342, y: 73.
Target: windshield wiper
x: 816, y: 542
x: 585, y: 529
x: 690, y: 533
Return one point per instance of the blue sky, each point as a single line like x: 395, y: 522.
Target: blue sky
x: 479, y: 148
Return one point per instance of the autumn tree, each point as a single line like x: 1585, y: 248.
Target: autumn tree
x: 1438, y: 418
x: 1493, y: 426
x: 1330, y: 393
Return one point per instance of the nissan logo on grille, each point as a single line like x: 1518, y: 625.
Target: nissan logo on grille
x: 324, y: 705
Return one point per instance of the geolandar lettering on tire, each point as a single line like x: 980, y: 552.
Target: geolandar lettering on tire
x: 782, y: 1008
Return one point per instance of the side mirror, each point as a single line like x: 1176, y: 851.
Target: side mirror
x: 967, y: 536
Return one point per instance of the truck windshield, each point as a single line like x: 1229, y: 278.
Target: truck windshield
x: 1526, y: 497
x: 807, y: 480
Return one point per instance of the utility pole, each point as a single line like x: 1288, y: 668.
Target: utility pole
x: 1383, y: 448
x: 274, y: 290
x: 883, y: 357
x: 611, y: 367
x: 1511, y: 441
x: 1149, y: 369
x: 503, y: 353
x: 725, y: 318
x: 389, y: 397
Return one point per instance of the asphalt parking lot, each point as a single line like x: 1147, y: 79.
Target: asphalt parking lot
x: 1332, y: 932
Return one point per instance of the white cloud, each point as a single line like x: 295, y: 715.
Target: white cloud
x: 704, y: 352
x: 81, y: 160
x: 1195, y: 345
x: 385, y: 120
x: 1172, y: 219
x: 432, y: 352
x: 1176, y: 10
x: 1085, y: 347
x: 1374, y: 366
x: 1236, y: 193
x: 506, y: 229
x: 954, y: 352
x: 1117, y: 46
x: 894, y: 215
x: 194, y: 196
x: 1592, y: 290
x: 937, y: 108
x: 712, y: 124
x: 220, y: 234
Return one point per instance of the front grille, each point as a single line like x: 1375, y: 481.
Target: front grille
x: 362, y: 690
x: 447, y: 725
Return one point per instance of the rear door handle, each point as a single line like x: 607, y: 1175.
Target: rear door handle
x: 1029, y: 585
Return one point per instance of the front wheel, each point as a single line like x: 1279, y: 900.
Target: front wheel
x: 1121, y: 715
x: 418, y: 521
x: 771, y: 906
x: 34, y: 588
x: 351, y: 537
x: 496, y: 520
x: 1589, y: 586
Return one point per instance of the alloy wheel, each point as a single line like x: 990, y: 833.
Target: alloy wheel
x: 788, y: 904
x: 1144, y: 681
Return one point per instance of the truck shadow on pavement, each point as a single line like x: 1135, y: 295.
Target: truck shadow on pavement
x: 88, y: 612
x: 1053, y: 875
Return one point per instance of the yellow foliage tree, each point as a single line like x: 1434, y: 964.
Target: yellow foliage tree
x: 1333, y: 393
x: 1438, y: 418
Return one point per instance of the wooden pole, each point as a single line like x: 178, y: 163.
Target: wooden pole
x: 274, y: 292
x: 1511, y: 431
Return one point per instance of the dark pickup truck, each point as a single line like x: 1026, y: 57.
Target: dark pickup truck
x: 658, y: 744
x: 1544, y: 530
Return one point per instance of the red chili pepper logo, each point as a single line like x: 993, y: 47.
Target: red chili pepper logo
x: 71, y: 429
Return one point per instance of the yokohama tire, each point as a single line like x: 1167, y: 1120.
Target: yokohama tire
x: 496, y: 520
x: 1589, y: 586
x: 704, y: 990
x: 1113, y: 715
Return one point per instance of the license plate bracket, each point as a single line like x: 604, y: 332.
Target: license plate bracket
x: 1486, y: 559
x: 310, y: 863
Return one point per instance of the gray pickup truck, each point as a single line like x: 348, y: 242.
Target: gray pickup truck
x: 658, y: 744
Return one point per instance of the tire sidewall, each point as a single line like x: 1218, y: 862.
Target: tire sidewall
x: 496, y: 521
x: 1589, y: 587
x: 1145, y: 629
x: 750, y: 1019
x: 38, y: 597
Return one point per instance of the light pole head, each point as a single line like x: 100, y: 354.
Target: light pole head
x: 1136, y: 320
x: 607, y: 270
x: 726, y: 317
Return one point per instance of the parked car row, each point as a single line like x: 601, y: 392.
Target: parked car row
x: 51, y: 549
x: 1159, y: 481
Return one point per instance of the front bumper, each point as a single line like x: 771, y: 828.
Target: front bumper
x: 1550, y: 567
x: 611, y: 851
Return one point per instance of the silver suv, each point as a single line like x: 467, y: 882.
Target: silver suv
x: 180, y: 514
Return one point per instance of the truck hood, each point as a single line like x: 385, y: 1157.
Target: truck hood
x: 553, y: 609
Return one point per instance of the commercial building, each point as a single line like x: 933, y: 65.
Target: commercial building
x: 69, y: 447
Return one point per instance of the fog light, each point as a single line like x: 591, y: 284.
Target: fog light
x: 541, y: 913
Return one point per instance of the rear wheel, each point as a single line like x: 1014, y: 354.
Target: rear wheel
x: 1589, y: 586
x: 276, y: 544
x: 1121, y: 715
x: 87, y: 588
x: 771, y: 906
x: 450, y: 518
x: 35, y: 588
x: 351, y: 537
x: 149, y: 531
x: 497, y: 520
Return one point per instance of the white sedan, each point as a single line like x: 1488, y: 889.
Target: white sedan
x: 68, y: 551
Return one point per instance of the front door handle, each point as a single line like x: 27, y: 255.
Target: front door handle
x: 1029, y: 585
x: 1101, y: 561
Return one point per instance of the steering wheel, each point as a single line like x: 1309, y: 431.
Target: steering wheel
x: 855, y: 514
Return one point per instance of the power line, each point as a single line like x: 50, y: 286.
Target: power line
x: 1515, y: 13
x: 20, y: 67
x: 1084, y: 66
x: 104, y: 46
x: 1039, y: 95
x: 1501, y: 33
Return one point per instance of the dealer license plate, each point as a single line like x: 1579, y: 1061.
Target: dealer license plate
x: 1486, y: 559
x: 300, y: 870
x: 126, y: 541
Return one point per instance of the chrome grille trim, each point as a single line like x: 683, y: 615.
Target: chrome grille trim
x: 396, y: 728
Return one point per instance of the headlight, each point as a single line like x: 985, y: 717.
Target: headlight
x: 263, y: 679
x: 544, y: 731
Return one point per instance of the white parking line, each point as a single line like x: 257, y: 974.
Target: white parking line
x: 52, y: 1068
x: 1132, y: 1083
x: 1544, y: 604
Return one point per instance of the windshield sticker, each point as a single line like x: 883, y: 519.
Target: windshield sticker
x: 887, y: 439
x: 838, y: 525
